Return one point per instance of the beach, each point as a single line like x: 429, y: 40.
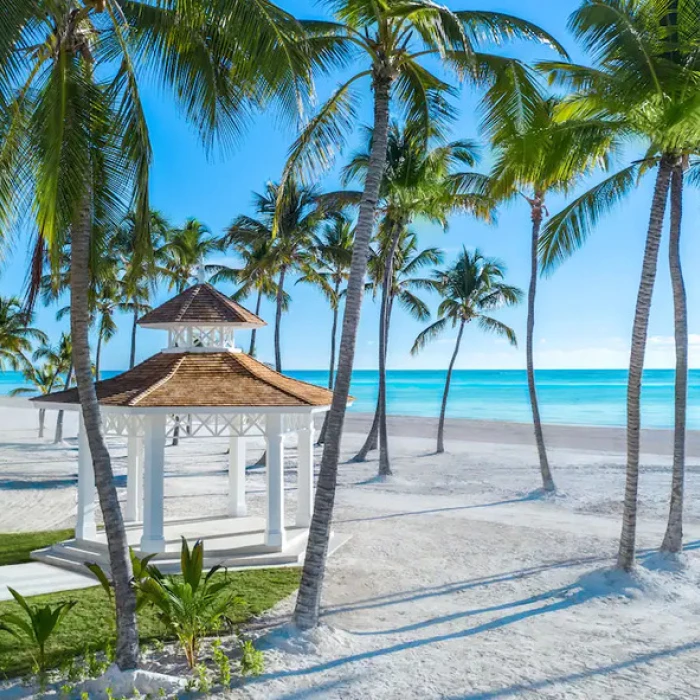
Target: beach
x: 461, y: 580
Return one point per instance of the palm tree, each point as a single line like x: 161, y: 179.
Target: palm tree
x: 471, y: 290
x: 43, y: 380
x: 333, y: 256
x: 644, y: 87
x: 533, y: 158
x: 107, y: 303
x: 289, y: 235
x: 182, y: 254
x: 75, y: 148
x: 419, y: 180
x: 388, y: 41
x: 60, y: 357
x: 16, y: 334
x: 256, y: 276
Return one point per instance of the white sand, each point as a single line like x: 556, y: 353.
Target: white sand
x: 458, y: 581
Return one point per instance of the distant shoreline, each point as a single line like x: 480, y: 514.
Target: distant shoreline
x: 573, y: 437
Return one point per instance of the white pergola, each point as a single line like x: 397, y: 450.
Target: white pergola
x: 201, y: 324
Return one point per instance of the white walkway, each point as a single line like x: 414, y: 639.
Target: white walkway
x: 35, y: 578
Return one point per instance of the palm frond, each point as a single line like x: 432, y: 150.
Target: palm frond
x: 428, y: 335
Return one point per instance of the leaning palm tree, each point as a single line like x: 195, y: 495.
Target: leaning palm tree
x: 535, y: 157
x: 42, y: 380
x: 75, y: 148
x: 16, y: 334
x: 471, y: 290
x: 644, y: 87
x: 422, y: 179
x: 59, y: 356
x: 388, y: 41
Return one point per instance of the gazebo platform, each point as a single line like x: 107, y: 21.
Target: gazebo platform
x: 236, y: 543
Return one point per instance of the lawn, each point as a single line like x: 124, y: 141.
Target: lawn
x: 90, y: 624
x: 16, y: 546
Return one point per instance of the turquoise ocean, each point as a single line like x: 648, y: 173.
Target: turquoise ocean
x: 573, y: 397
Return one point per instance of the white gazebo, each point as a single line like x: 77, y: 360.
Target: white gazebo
x: 200, y: 385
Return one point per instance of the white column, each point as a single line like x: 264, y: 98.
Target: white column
x: 274, y: 528
x: 134, y: 473
x: 305, y: 476
x: 236, y: 477
x: 154, y: 462
x: 85, y: 528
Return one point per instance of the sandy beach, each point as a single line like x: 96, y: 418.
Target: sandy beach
x: 460, y: 580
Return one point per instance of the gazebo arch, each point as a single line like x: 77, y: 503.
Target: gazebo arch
x: 222, y: 391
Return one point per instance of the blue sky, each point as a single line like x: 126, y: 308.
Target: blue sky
x: 584, y: 310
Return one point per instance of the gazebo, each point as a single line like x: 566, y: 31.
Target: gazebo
x: 201, y: 384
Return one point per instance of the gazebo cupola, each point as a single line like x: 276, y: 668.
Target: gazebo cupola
x: 201, y: 319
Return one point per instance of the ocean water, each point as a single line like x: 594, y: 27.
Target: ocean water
x: 573, y: 397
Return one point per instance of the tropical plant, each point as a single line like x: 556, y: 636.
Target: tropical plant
x: 644, y: 87
x: 75, y: 148
x: 471, y: 290
x: 40, y: 624
x: 534, y: 157
x: 288, y: 234
x: 42, y: 380
x: 59, y: 356
x: 192, y: 604
x: 16, y: 334
x: 388, y: 42
x: 420, y: 180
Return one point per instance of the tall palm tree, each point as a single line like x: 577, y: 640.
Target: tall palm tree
x: 75, y: 147
x: 59, y: 356
x: 16, y: 334
x: 43, y: 379
x: 389, y: 42
x: 471, y: 290
x: 420, y: 179
x: 288, y: 233
x: 183, y: 252
x: 644, y: 87
x: 533, y: 158
x: 107, y: 303
x: 332, y: 267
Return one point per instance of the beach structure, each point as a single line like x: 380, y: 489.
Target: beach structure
x: 200, y: 385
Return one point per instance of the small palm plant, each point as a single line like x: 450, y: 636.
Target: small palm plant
x: 470, y: 289
x: 42, y: 380
x: 40, y: 624
x: 190, y: 605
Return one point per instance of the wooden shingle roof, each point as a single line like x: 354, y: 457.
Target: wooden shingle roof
x: 201, y: 379
x: 201, y: 304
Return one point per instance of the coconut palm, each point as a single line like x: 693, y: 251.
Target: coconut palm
x: 535, y: 157
x: 289, y: 235
x: 471, y: 290
x: 75, y: 147
x: 421, y: 179
x: 42, y: 380
x: 59, y: 356
x: 388, y: 41
x: 16, y: 334
x: 644, y: 87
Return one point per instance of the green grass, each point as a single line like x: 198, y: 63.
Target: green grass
x: 91, y: 623
x: 16, y: 546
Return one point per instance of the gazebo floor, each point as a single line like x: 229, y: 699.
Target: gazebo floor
x: 236, y: 543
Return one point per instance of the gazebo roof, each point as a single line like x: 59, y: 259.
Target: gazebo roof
x: 201, y: 304
x: 200, y: 380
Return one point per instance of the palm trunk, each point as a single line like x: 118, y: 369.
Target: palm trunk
x: 98, y: 353
x: 127, y: 653
x: 132, y: 354
x: 626, y: 553
x: 384, y: 462
x: 446, y: 392
x: 308, y: 603
x: 331, y: 370
x: 673, y: 539
x: 372, y: 441
x: 278, y: 318
x: 42, y: 421
x: 537, y: 205
x: 251, y: 352
x: 58, y: 437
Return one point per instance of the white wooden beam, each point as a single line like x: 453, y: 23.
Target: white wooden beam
x: 305, y: 476
x: 85, y: 527
x: 236, y: 477
x: 274, y: 528
x: 152, y: 539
